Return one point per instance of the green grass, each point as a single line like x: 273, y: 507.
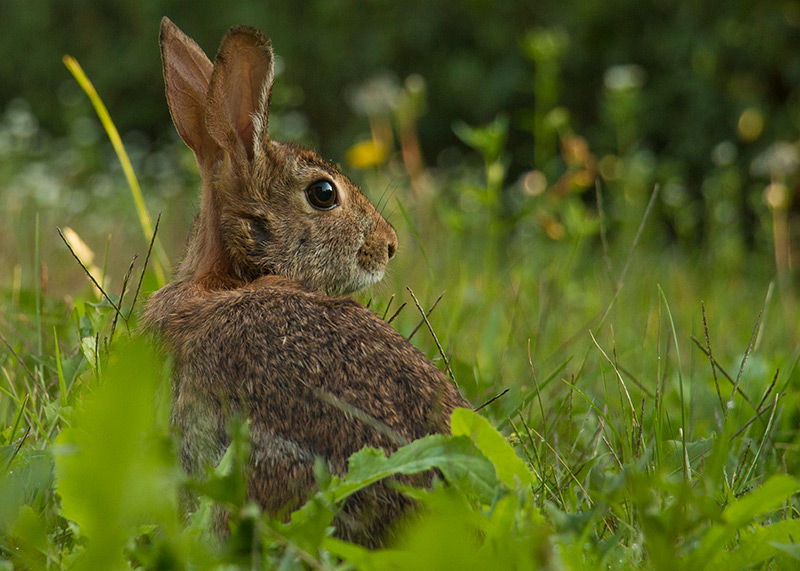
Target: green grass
x: 642, y: 401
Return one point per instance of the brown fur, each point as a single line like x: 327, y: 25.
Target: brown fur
x: 250, y: 320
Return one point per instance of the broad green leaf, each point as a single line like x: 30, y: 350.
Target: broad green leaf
x: 115, y: 469
x: 460, y: 461
x: 89, y: 349
x: 511, y: 470
x: 355, y: 554
x: 790, y: 549
x: 309, y: 525
x: 28, y: 472
x: 763, y: 542
x: 768, y: 497
x: 454, y: 534
x: 31, y: 528
x: 227, y: 481
x: 741, y: 512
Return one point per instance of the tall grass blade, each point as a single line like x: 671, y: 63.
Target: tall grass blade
x: 433, y: 334
x: 37, y: 288
x: 102, y: 113
x: 711, y: 360
x: 144, y: 267
x: 757, y: 455
x: 62, y: 385
x: 91, y: 277
x: 747, y: 352
x: 417, y: 237
x: 18, y: 417
x: 598, y: 410
x: 631, y: 250
x: 680, y: 383
x: 39, y: 425
x: 424, y: 316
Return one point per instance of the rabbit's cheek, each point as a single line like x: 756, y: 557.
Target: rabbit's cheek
x: 260, y: 234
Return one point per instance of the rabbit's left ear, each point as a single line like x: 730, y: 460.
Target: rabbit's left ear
x: 237, y: 110
x: 187, y: 72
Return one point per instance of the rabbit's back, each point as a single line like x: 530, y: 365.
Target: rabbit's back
x: 317, y: 377
x: 321, y: 376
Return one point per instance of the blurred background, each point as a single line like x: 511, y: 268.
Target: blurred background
x: 514, y: 144
x: 698, y: 97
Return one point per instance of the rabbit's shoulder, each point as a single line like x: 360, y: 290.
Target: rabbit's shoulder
x: 280, y: 336
x: 275, y: 311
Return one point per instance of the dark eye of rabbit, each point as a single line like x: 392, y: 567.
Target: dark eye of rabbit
x: 322, y: 195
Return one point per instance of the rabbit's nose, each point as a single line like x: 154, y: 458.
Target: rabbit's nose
x: 392, y: 248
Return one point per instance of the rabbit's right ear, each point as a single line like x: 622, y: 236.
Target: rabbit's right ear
x: 238, y: 96
x: 187, y: 73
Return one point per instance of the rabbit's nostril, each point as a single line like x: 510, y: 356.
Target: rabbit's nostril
x: 392, y: 249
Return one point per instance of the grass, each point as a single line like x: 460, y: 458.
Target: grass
x: 637, y: 404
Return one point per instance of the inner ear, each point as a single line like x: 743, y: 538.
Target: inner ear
x: 237, y: 110
x: 187, y: 72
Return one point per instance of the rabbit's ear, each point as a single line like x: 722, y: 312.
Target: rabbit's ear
x: 238, y: 96
x: 187, y: 72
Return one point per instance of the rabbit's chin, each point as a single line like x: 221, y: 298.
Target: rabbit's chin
x: 358, y: 281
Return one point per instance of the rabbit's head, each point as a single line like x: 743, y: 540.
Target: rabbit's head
x: 266, y: 207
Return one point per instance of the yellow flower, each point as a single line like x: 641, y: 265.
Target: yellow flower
x: 367, y: 154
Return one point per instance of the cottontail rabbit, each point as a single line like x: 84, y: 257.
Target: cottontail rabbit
x: 252, y: 318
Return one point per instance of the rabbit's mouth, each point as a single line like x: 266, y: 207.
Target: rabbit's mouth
x: 360, y: 279
x: 370, y: 277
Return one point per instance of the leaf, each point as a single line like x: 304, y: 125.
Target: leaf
x: 763, y: 500
x: 761, y: 543
x: 460, y: 461
x: 31, y: 529
x: 115, y: 465
x: 89, y: 349
x: 454, y: 534
x: 791, y: 549
x: 7, y: 453
x: 27, y: 475
x: 309, y: 525
x: 489, y: 140
x: 456, y: 456
x: 227, y: 482
x: 511, y: 469
x: 742, y: 512
x: 355, y: 554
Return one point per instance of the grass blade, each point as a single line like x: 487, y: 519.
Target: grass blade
x: 62, y: 385
x: 102, y: 113
x: 433, y: 334
x: 88, y: 273
x: 417, y: 237
x: 680, y: 383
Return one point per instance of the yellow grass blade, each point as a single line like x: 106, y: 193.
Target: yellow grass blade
x: 161, y: 260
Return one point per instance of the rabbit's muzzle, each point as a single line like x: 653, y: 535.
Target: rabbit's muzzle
x: 378, y: 248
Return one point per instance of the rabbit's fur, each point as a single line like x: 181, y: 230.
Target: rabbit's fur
x: 250, y: 319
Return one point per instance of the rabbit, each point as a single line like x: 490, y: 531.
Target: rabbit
x: 257, y: 321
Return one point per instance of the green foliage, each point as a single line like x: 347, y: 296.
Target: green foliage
x: 118, y: 480
x: 624, y: 422
x: 114, y: 465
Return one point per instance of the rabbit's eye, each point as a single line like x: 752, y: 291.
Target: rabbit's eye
x: 322, y: 194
